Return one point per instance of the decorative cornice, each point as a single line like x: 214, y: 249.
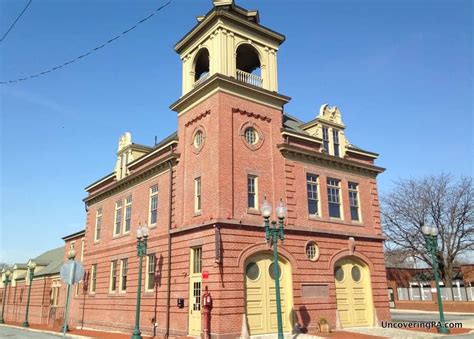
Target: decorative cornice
x: 329, y: 160
x: 225, y: 84
x: 233, y: 223
x: 132, y: 179
x: 251, y: 114
x: 197, y: 118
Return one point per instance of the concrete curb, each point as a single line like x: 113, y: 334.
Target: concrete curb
x: 57, y: 334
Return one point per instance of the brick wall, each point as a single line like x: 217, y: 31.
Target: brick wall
x: 223, y: 164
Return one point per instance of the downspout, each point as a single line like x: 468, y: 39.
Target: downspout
x: 168, y: 283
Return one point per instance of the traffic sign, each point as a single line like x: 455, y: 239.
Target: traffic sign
x: 72, y: 272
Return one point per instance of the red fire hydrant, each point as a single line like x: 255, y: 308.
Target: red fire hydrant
x: 206, y: 309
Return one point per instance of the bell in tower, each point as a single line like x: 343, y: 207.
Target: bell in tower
x: 230, y: 41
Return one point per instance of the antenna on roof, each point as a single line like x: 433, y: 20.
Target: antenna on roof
x: 156, y: 140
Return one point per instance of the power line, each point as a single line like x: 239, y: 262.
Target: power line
x: 52, y: 69
x: 14, y: 22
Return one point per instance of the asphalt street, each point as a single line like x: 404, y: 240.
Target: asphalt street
x: 10, y: 332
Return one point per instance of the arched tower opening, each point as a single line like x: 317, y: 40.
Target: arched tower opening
x: 201, y: 65
x: 248, y: 65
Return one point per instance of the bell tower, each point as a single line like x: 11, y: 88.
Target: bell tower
x: 229, y: 113
x: 230, y: 41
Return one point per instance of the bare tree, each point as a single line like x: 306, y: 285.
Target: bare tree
x: 439, y: 201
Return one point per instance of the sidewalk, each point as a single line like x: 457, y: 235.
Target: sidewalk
x: 406, y: 333
x: 73, y: 333
x: 355, y: 333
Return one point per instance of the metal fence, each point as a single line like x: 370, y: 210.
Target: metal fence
x: 424, y: 293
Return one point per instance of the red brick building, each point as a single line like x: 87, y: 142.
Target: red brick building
x: 48, y: 291
x: 199, y: 192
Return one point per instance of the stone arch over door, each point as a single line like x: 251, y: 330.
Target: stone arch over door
x: 262, y: 247
x: 352, y: 279
x: 260, y: 296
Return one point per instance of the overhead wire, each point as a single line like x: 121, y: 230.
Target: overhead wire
x: 14, y: 22
x: 52, y: 69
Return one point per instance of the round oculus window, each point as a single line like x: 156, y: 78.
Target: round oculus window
x: 251, y: 135
x: 252, y: 271
x: 356, y: 274
x: 198, y: 139
x: 339, y: 273
x: 312, y: 251
x: 271, y: 270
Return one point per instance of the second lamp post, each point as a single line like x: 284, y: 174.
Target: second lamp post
x: 272, y: 234
x: 431, y: 238
x: 4, y: 301
x: 30, y: 276
x: 142, y: 236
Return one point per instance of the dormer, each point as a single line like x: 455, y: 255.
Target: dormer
x: 229, y: 40
x: 328, y: 127
x: 126, y: 153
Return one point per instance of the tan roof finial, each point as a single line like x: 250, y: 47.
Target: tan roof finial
x: 222, y: 2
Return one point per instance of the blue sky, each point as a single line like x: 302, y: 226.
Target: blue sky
x: 399, y: 70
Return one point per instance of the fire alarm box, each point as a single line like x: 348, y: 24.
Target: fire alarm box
x: 180, y: 302
x: 207, y: 300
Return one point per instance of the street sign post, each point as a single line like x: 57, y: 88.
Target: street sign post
x: 71, y: 273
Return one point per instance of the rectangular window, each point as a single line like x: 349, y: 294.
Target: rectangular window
x: 197, y: 260
x: 150, y: 272
x: 335, y: 139
x: 326, y: 139
x: 93, y: 278
x: 153, y: 204
x: 54, y: 298
x: 197, y: 195
x: 113, y: 276
x: 118, y: 217
x: 128, y: 213
x: 334, y: 199
x: 123, y: 274
x: 312, y: 188
x: 252, y: 194
x: 98, y: 224
x: 354, y: 200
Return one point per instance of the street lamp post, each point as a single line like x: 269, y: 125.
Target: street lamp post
x: 71, y: 254
x: 272, y: 234
x: 431, y: 238
x: 31, y: 274
x: 142, y: 236
x: 5, y: 285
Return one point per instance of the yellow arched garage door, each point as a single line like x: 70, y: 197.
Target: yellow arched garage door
x: 260, y: 301
x: 353, y: 293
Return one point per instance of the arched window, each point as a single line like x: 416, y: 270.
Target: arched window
x: 201, y: 67
x: 248, y: 65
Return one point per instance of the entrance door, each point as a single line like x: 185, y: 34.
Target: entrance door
x: 195, y: 282
x: 261, y: 297
x: 353, y: 293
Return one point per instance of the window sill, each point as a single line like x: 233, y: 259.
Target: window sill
x: 120, y: 235
x: 253, y: 211
x: 152, y: 225
x: 116, y: 294
x: 336, y: 219
x: 314, y: 217
x: 356, y: 223
x: 197, y: 214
